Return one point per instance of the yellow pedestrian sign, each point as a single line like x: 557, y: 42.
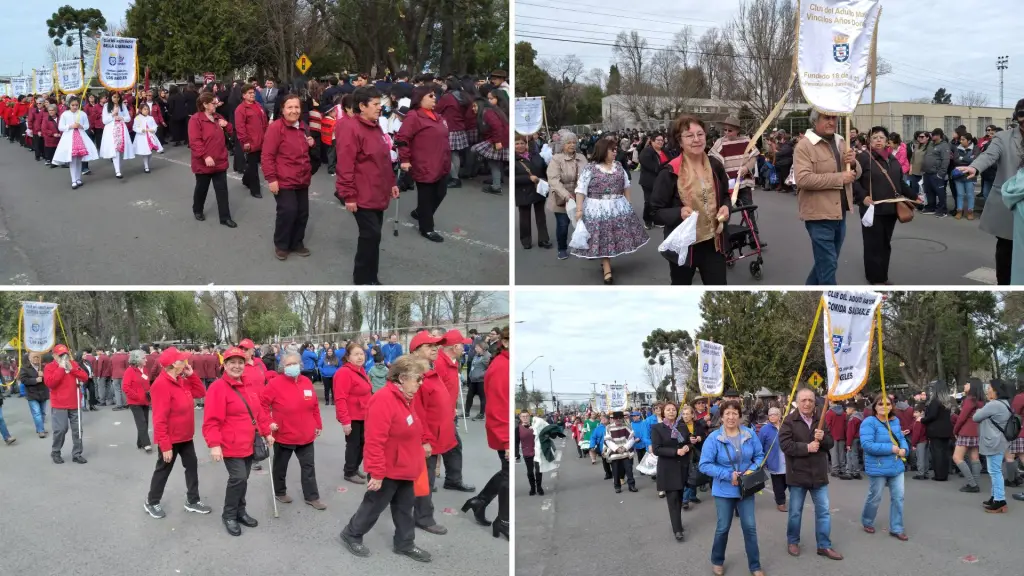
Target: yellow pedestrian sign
x: 14, y: 343
x: 815, y: 380
x: 303, y: 63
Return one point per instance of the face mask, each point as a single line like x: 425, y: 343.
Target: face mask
x: 292, y: 371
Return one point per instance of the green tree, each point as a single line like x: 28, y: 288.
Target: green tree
x: 530, y: 79
x: 356, y: 312
x: 588, y: 108
x: 674, y: 347
x: 614, y: 80
x: 942, y: 97
x: 69, y: 25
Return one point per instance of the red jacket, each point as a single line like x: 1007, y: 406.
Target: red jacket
x: 852, y: 430
x: 965, y: 424
x: 153, y: 366
x: 836, y: 424
x: 448, y: 370
x: 498, y: 128
x: 250, y: 125
x: 352, y: 391
x: 285, y: 156
x: 1018, y: 408
x: 63, y: 384
x: 293, y: 406
x: 156, y: 113
x: 206, y: 138
x: 50, y: 131
x: 118, y: 364
x: 426, y: 148
x: 906, y: 417
x: 496, y: 383
x: 94, y: 112
x: 174, y: 414
x: 433, y: 405
x: 364, y: 173
x: 918, y: 434
x: 452, y: 112
x: 35, y: 118
x: 104, y: 368
x: 135, y: 384
x: 226, y: 422
x: 255, y: 375
x: 394, y: 445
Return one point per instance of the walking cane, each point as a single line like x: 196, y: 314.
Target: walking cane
x: 78, y: 394
x: 398, y: 178
x: 462, y: 398
x: 273, y: 490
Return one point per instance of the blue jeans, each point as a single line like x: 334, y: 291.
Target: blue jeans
x: 994, y: 463
x: 3, y: 426
x: 39, y: 410
x: 964, y: 194
x: 986, y: 187
x: 935, y: 192
x: 562, y: 230
x: 822, y: 515
x: 689, y: 492
x: 725, y: 508
x: 826, y: 242
x: 875, y: 485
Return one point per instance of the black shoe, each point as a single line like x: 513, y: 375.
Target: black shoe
x: 479, y: 510
x: 920, y: 477
x: 481, y: 417
x: 198, y: 507
x: 618, y: 490
x: 79, y: 460
x: 414, y: 215
x: 232, y: 526
x: 55, y: 456
x: 454, y: 183
x: 257, y: 195
x: 499, y: 527
x: 155, y: 510
x: 695, y: 500
x: 436, y: 529
x: 248, y: 521
x: 545, y: 245
x: 969, y: 488
x: 199, y: 216
x: 492, y: 190
x: 633, y: 489
x: 432, y: 236
x: 1019, y: 496
x: 679, y: 537
x: 527, y: 245
x: 686, y: 505
x: 229, y: 223
x: 607, y: 476
x: 533, y: 491
x: 996, y: 507
x: 416, y: 554
x: 356, y: 548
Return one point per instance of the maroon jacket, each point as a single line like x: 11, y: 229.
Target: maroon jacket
x: 426, y: 146
x: 250, y: 125
x: 94, y: 112
x: 965, y: 424
x: 917, y: 434
x: 498, y: 128
x: 118, y: 365
x: 452, y: 112
x: 206, y: 138
x: 364, y: 164
x: 853, y: 429
x: 48, y: 127
x: 285, y: 156
x: 836, y: 424
x: 35, y: 117
x: 906, y: 417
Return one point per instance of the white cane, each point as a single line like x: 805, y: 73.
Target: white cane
x: 462, y: 399
x: 78, y: 394
x: 273, y: 491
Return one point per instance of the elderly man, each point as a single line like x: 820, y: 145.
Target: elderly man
x: 825, y: 193
x: 731, y: 149
x: 1004, y: 152
x: 806, y: 449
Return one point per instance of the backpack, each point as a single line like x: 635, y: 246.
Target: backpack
x: 1012, y: 430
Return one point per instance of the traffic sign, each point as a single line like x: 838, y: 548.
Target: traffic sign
x: 815, y: 380
x: 303, y: 63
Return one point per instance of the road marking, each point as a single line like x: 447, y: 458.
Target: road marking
x: 317, y: 196
x: 554, y: 475
x: 546, y: 505
x: 983, y: 275
x: 558, y: 457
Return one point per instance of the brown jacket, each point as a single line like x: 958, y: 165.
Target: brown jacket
x: 804, y: 469
x: 817, y: 180
x: 562, y: 177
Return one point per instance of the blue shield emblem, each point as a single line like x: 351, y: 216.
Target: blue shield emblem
x: 841, y: 52
x: 36, y: 327
x: 706, y: 367
x: 837, y: 343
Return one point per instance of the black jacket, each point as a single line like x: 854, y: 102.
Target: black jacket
x: 873, y: 181
x: 33, y: 381
x: 665, y: 204
x: 673, y: 469
x: 650, y: 165
x: 526, y: 190
x: 804, y: 469
x: 190, y: 99
x: 936, y: 420
x: 784, y: 154
x: 176, y: 107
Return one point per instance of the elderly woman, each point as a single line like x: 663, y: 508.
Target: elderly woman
x: 352, y: 391
x: 885, y: 450
x: 424, y: 152
x: 207, y: 140
x: 135, y: 385
x: 37, y: 394
x: 563, y: 175
x: 670, y: 442
x: 529, y: 169
x: 775, y: 462
x: 287, y: 168
x: 228, y: 428
x: 394, y: 459
x: 174, y: 426
x: 290, y: 403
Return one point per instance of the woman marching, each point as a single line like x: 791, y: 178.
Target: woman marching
x: 670, y: 442
x: 117, y: 142
x: 146, y: 142
x: 207, y: 139
x: 885, y: 449
x: 352, y: 391
x: 135, y: 386
x: 75, y: 146
x: 425, y: 154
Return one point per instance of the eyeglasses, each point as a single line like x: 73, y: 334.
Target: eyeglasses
x: 419, y: 377
x: 696, y: 136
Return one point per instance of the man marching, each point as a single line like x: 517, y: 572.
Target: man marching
x: 62, y: 377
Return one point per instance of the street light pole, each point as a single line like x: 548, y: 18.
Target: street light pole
x: 551, y: 383
x: 523, y: 374
x: 1002, y: 63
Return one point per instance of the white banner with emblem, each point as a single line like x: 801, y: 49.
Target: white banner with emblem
x: 529, y: 115
x: 710, y: 368
x: 117, y: 62
x: 69, y: 76
x: 834, y: 51
x: 848, y: 337
x: 617, y: 398
x: 39, y: 321
x: 20, y: 85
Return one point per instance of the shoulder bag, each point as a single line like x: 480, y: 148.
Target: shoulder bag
x: 260, y: 451
x: 754, y: 482
x: 904, y: 213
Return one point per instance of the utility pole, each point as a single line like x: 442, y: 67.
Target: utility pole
x: 551, y: 383
x: 1002, y: 63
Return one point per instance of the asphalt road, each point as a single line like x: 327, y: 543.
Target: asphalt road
x: 140, y: 231
x: 928, y: 251
x: 89, y: 519
x: 581, y: 527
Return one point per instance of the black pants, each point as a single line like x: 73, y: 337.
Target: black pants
x: 940, y: 455
x: 90, y: 393
x: 779, y: 488
x: 367, y: 261
x: 640, y: 453
x: 239, y: 154
x: 429, y: 196
x: 37, y: 146
x: 238, y: 481
x: 674, y: 499
x: 328, y: 388
x: 453, y: 460
x: 307, y: 472
x: 705, y: 259
x: 141, y: 416
x: 97, y: 136
x: 620, y: 466
x: 533, y: 473
x: 251, y: 178
x: 498, y: 486
x: 48, y: 152
x: 783, y: 173
x: 878, y: 248
x: 1004, y: 260
x: 187, y: 451
x: 746, y: 198
x: 648, y: 219
x: 179, y: 130
x: 354, y: 448
x: 292, y: 216
x: 399, y: 495
x: 475, y: 389
x: 607, y: 468
x: 525, y: 234
x: 220, y: 189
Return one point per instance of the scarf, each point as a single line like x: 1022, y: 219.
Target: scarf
x: 78, y: 149
x: 884, y: 153
x: 702, y: 197
x: 525, y: 156
x: 153, y: 145
x: 672, y: 426
x: 119, y: 134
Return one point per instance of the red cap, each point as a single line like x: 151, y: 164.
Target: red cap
x: 60, y: 349
x: 247, y: 344
x: 453, y: 337
x: 234, y: 352
x: 171, y: 355
x: 422, y: 337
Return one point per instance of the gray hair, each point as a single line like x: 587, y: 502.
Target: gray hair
x: 289, y: 356
x: 564, y: 136
x: 51, y: 107
x: 775, y: 410
x: 136, y: 358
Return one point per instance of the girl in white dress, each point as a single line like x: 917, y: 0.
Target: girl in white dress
x: 117, y: 141
x: 75, y: 145
x: 146, y: 141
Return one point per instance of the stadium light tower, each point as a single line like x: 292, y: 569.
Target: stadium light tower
x: 1002, y: 63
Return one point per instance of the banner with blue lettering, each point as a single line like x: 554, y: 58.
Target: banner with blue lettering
x: 849, y: 336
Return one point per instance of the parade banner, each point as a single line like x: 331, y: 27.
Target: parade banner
x: 711, y: 368
x: 601, y: 401
x: 39, y: 321
x: 835, y: 42
x: 7, y: 90
x: 118, y: 63
x: 529, y: 115
x: 70, y: 76
x: 20, y: 85
x: 44, y: 80
x: 848, y: 338
x: 617, y: 398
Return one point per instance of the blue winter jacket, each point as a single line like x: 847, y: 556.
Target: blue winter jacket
x: 642, y: 432
x: 597, y: 438
x: 368, y: 364
x: 328, y: 370
x: 877, y: 445
x: 309, y: 360
x: 391, y: 352
x: 776, y: 463
x: 718, y: 460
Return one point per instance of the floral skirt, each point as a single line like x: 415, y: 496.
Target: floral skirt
x: 614, y: 228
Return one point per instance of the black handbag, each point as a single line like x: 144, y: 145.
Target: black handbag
x: 260, y: 450
x: 753, y: 482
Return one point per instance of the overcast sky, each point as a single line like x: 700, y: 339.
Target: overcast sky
x: 915, y: 37
x: 593, y: 336
x: 24, y: 36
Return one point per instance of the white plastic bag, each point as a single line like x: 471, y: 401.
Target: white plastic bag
x: 869, y: 217
x: 684, y: 236
x: 580, y: 237
x: 570, y: 211
x: 921, y: 197
x: 648, y: 465
x: 791, y: 178
x: 546, y: 153
x: 543, y: 188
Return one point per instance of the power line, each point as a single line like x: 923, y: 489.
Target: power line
x: 590, y: 10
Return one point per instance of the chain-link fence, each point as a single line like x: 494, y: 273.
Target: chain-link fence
x: 405, y: 334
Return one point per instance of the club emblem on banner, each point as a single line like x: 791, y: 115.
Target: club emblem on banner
x: 837, y: 340
x: 36, y: 327
x: 841, y: 48
x: 706, y: 367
